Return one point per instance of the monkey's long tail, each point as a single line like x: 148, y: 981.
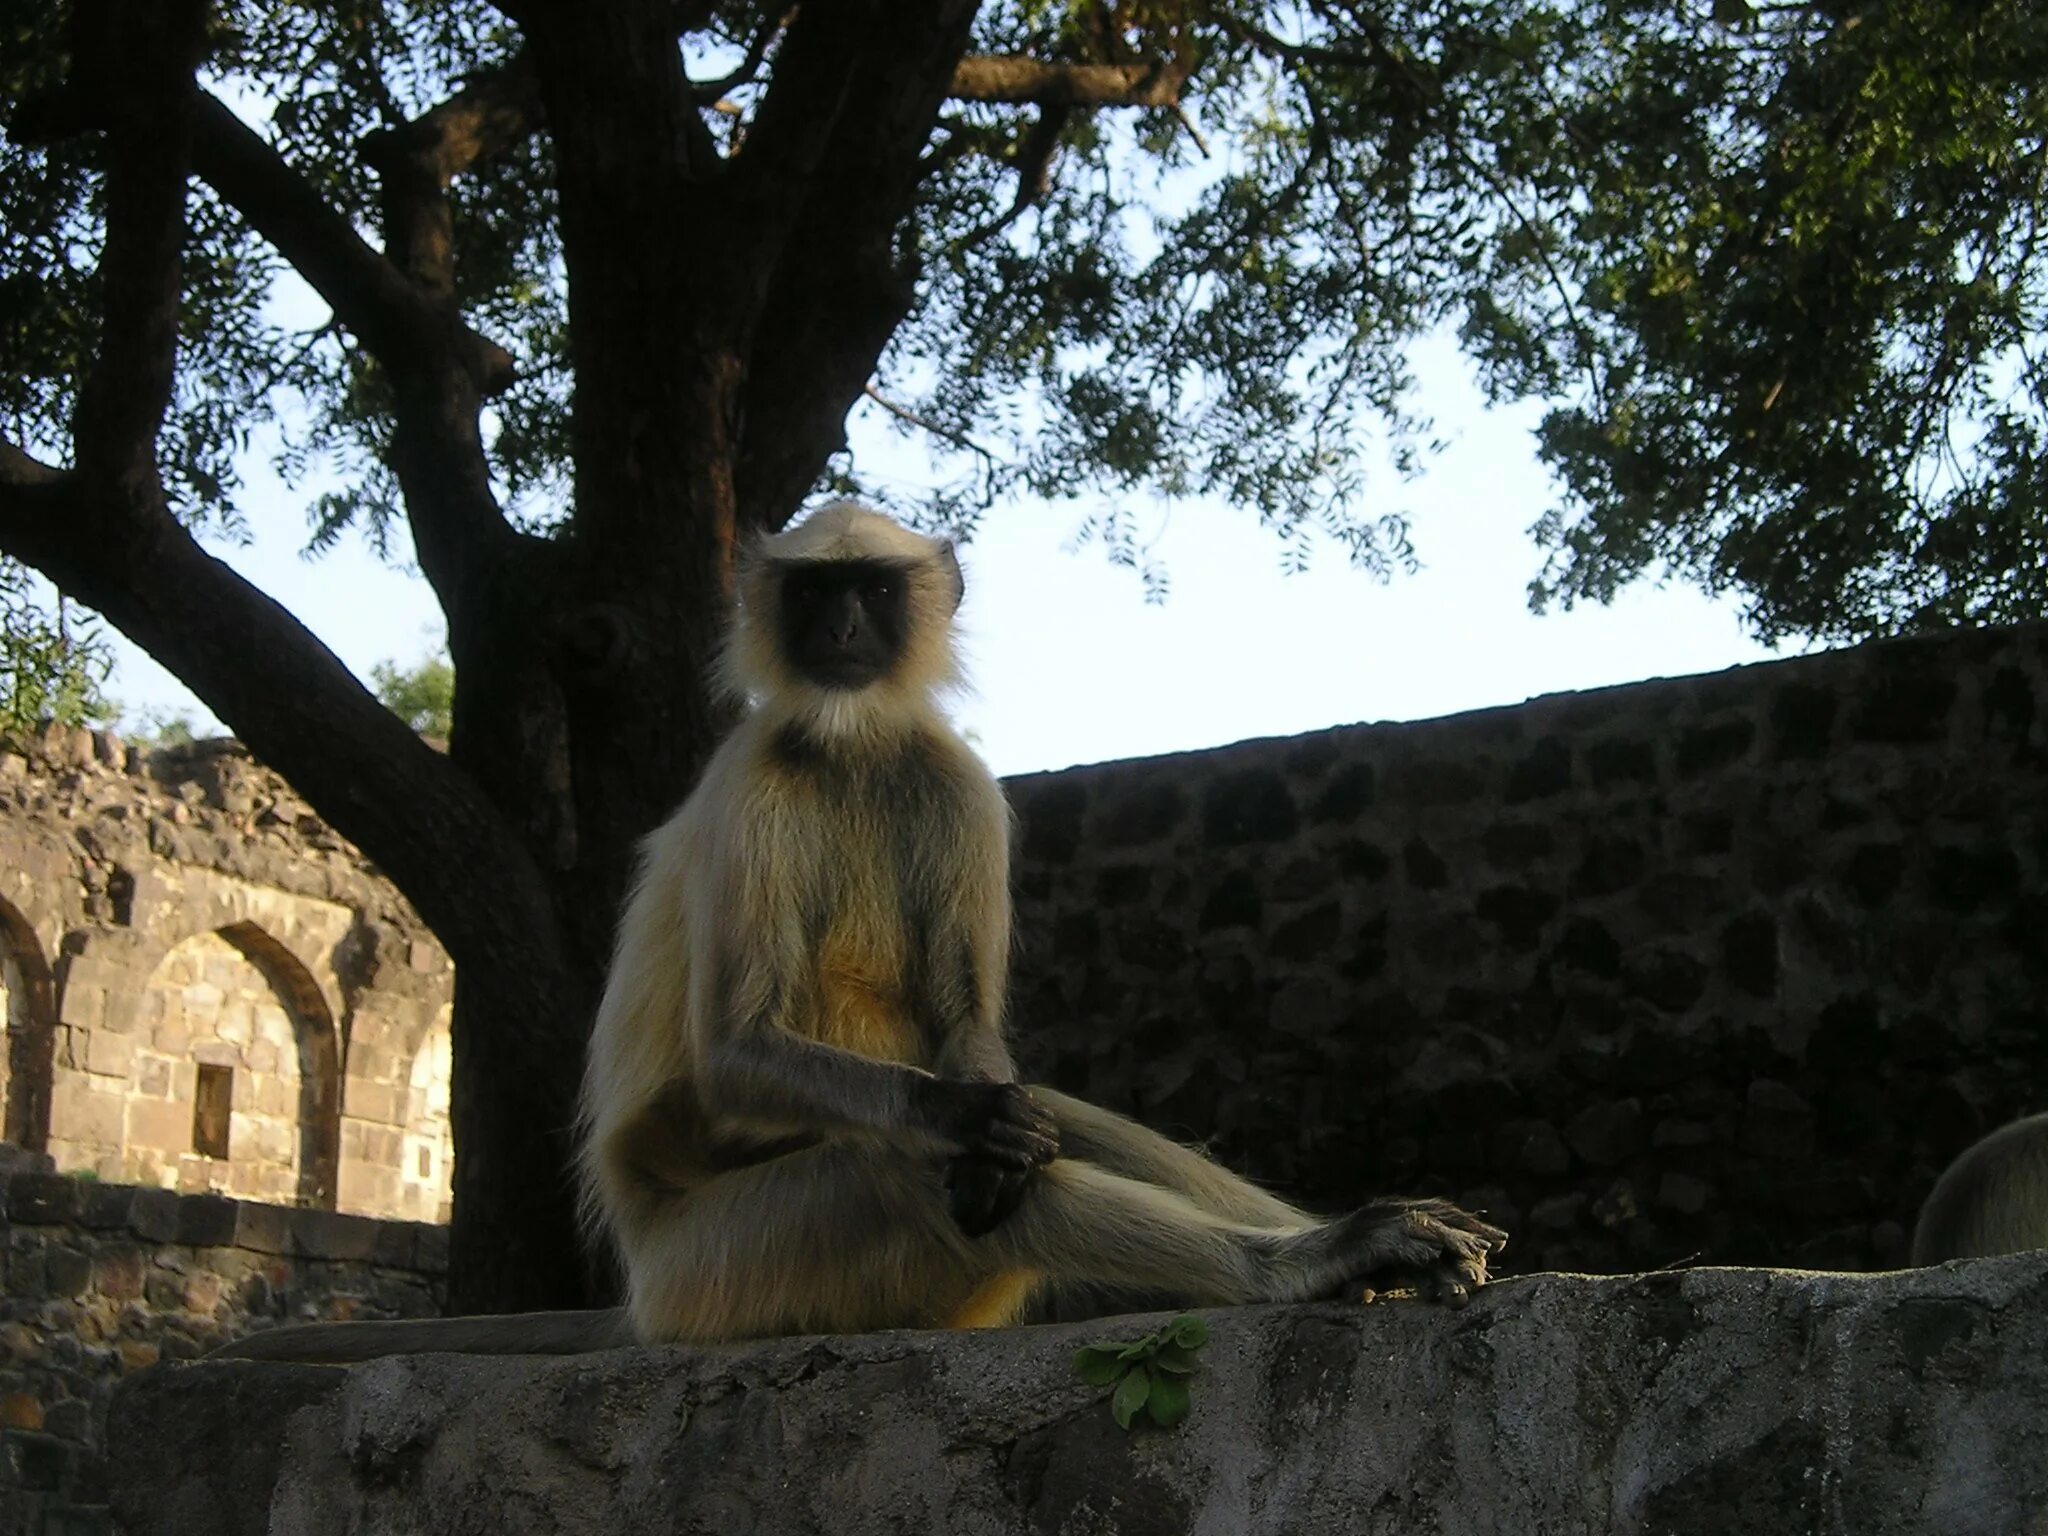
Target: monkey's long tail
x: 515, y: 1333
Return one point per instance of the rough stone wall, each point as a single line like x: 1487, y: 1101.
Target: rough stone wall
x: 103, y: 1280
x: 1701, y: 1403
x: 1722, y: 967
x: 163, y: 912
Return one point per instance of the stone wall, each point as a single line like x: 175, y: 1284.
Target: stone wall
x: 176, y: 918
x: 1723, y: 967
x: 1700, y: 1403
x: 103, y: 1280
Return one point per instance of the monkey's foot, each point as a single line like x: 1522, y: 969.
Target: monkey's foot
x: 1438, y: 1249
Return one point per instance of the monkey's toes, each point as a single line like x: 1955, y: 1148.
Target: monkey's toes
x: 982, y: 1195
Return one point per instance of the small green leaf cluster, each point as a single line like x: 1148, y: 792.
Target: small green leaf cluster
x: 1150, y: 1374
x: 422, y: 696
x: 52, y: 662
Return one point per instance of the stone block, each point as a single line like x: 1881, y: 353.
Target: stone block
x: 105, y: 1205
x: 330, y: 1235
x: 153, y: 1215
x: 37, y: 1460
x: 117, y: 1272
x: 206, y: 1221
x: 109, y: 1054
x: 67, y: 1271
x: 83, y: 1006
x: 39, y: 1198
x: 370, y: 1191
x: 160, y: 1125
x: 84, y: 1115
x: 20, y: 1410
x: 430, y: 1249
x: 394, y: 1245
x: 263, y: 1228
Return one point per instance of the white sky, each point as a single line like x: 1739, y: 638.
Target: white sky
x: 1069, y: 663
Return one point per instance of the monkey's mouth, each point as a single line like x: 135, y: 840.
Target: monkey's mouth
x: 843, y: 674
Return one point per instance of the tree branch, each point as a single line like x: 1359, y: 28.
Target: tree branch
x: 837, y: 289
x: 145, y: 82
x: 990, y: 77
x: 402, y: 308
x: 657, y: 267
x: 493, y: 111
x: 400, y: 323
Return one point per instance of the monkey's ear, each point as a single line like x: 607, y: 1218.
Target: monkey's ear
x: 949, y: 564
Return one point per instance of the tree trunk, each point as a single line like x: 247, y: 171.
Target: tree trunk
x: 585, y: 721
x: 514, y: 1243
x: 725, y: 311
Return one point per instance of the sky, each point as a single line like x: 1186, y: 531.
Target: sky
x: 1068, y: 663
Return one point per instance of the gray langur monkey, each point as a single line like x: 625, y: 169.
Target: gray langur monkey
x: 1992, y: 1199
x: 799, y: 1112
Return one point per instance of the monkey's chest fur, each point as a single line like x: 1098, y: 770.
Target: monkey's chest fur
x: 887, y: 953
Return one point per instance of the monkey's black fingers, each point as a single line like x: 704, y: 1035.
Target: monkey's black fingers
x: 997, y: 1121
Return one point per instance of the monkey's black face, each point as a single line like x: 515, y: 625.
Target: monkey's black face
x: 843, y: 621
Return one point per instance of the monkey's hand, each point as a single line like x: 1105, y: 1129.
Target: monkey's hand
x: 981, y: 1195
x: 998, y: 1123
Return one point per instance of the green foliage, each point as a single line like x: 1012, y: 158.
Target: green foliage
x: 51, y: 663
x: 159, y: 728
x: 1779, y: 279
x: 1148, y: 1374
x: 422, y: 696
x: 1774, y: 268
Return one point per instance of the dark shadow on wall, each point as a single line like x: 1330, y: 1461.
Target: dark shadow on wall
x: 31, y: 1033
x: 319, y: 1059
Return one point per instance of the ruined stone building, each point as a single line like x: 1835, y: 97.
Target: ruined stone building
x: 208, y: 989
x: 1717, y: 969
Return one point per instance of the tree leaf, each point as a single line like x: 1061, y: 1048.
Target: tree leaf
x: 1130, y: 1396
x: 1172, y: 1357
x: 1189, y: 1332
x: 1098, y: 1364
x: 1167, y: 1401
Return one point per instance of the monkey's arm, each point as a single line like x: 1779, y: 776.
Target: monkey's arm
x: 755, y: 1067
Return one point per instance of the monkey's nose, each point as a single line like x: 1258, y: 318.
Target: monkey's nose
x: 842, y: 626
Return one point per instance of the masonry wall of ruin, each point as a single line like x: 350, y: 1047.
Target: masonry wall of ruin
x: 207, y: 989
x: 1722, y: 968
x: 104, y: 1280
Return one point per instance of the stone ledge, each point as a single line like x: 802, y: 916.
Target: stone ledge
x: 1696, y: 1403
x: 41, y: 1198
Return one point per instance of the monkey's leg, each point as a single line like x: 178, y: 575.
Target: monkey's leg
x: 1122, y: 1146
x: 1078, y: 1222
x: 847, y: 1237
